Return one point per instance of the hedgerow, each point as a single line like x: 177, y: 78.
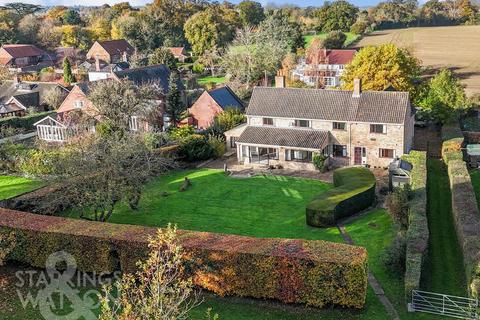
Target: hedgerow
x: 354, y: 191
x: 465, y: 211
x: 25, y: 122
x: 316, y: 273
x: 417, y: 233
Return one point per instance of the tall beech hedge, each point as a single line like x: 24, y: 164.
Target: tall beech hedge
x: 465, y: 211
x: 354, y: 191
x: 417, y: 233
x: 25, y: 122
x: 316, y: 273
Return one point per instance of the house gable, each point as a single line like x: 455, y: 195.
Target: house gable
x: 72, y: 100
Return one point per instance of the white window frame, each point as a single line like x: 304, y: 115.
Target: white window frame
x: 384, y: 128
x: 133, y: 123
x: 78, y: 104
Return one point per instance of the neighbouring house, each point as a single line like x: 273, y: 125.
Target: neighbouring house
x: 323, y: 67
x: 62, y: 127
x: 287, y: 126
x: 99, y: 70
x: 18, y: 98
x: 212, y: 103
x: 112, y: 51
x: 105, y: 57
x: 179, y: 53
x: 25, y: 57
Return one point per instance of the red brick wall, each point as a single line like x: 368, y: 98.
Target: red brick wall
x: 75, y: 95
x: 204, y: 111
x: 97, y: 51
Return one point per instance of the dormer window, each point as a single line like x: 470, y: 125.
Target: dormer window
x: 301, y: 123
x: 78, y: 104
x: 268, y: 121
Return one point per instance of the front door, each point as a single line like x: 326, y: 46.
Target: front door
x: 360, y: 155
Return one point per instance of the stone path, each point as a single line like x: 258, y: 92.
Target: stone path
x: 377, y: 288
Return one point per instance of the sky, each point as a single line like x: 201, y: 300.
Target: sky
x: 300, y: 3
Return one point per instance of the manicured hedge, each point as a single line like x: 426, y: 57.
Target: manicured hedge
x: 354, y: 191
x: 464, y: 205
x: 316, y: 273
x: 417, y: 233
x: 24, y: 122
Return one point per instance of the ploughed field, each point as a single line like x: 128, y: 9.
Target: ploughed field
x: 454, y: 47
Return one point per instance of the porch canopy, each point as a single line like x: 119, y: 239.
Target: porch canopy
x: 285, y: 137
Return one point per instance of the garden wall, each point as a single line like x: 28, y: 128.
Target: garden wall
x: 464, y: 206
x: 354, y: 191
x: 316, y: 273
x: 417, y: 233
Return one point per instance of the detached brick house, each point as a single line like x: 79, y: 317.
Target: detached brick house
x: 112, y: 51
x: 60, y: 128
x: 287, y: 126
x: 24, y: 57
x: 212, y: 103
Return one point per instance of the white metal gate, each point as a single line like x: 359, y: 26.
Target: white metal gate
x: 445, y: 305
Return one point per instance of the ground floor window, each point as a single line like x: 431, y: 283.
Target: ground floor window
x: 260, y: 154
x: 298, y: 155
x: 339, y: 150
x: 386, y: 153
x: 329, y: 81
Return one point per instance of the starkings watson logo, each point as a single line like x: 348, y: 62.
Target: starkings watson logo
x: 60, y: 292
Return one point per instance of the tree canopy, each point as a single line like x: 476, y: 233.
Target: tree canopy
x: 163, y: 56
x: 382, y: 66
x: 337, y: 15
x: 251, y: 13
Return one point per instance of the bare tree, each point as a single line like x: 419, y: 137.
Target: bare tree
x: 54, y: 97
x: 159, y: 290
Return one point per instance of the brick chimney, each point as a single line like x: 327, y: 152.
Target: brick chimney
x: 125, y: 56
x: 357, y: 87
x: 16, y: 79
x: 279, y: 81
x: 97, y: 64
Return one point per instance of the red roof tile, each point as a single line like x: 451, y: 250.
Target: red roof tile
x: 22, y: 50
x: 336, y: 56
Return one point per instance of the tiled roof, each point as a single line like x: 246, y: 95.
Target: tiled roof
x: 225, y: 97
x: 31, y: 99
x: 331, y: 105
x: 117, y: 46
x: 177, y: 51
x: 22, y: 50
x: 156, y: 74
x: 8, y: 89
x: 284, y: 137
x: 334, y: 56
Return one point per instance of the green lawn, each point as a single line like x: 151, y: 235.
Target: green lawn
x: 350, y: 38
x: 475, y: 176
x: 11, y: 186
x: 444, y: 269
x: 210, y: 79
x: 260, y: 206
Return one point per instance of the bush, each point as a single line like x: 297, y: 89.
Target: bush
x: 452, y: 137
x: 316, y: 273
x: 198, y: 67
x: 397, y: 205
x: 178, y: 133
x: 319, y: 161
x: 354, y: 191
x: 394, y: 256
x: 195, y: 147
x: 417, y: 234
x: 218, y: 146
x: 335, y: 40
x: 11, y: 155
x: 24, y: 122
x: 359, y: 28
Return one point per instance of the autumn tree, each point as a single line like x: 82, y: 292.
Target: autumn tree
x: 251, y: 13
x: 99, y: 171
x: 206, y: 30
x: 28, y: 29
x: 71, y: 17
x: 337, y: 15
x: 22, y: 9
x: 68, y: 77
x: 382, y: 66
x: 443, y: 98
x: 278, y: 27
x: 210, y: 58
x: 163, y: 56
x: 54, y: 97
x: 160, y: 289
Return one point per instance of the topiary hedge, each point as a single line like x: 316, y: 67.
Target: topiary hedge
x: 417, y: 234
x: 354, y: 191
x: 316, y: 273
x: 25, y: 122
